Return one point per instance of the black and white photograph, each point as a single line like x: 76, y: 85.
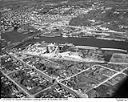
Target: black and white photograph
x: 64, y: 49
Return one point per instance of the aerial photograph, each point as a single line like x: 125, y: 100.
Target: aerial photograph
x: 64, y: 48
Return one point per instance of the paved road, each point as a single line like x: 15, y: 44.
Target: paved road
x: 108, y: 79
x: 31, y: 96
x: 58, y: 81
x: 32, y: 67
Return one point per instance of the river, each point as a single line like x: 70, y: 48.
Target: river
x: 17, y: 37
